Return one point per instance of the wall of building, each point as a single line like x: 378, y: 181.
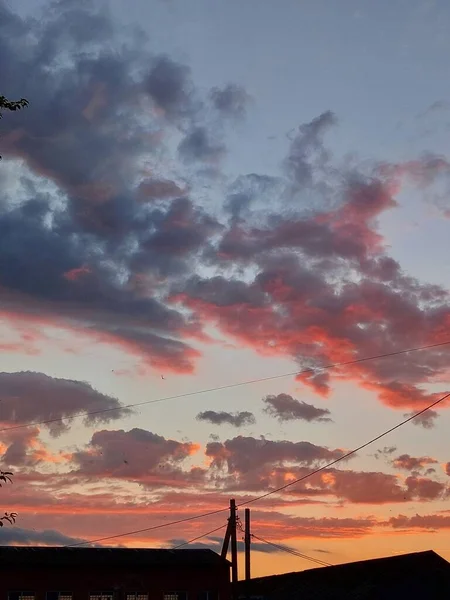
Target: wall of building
x: 82, y: 581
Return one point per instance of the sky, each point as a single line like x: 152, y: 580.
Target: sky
x: 201, y: 194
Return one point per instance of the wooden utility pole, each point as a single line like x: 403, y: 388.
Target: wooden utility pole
x: 226, y: 540
x: 234, y: 565
x: 247, y: 543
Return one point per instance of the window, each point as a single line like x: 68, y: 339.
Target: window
x: 136, y: 596
x: 59, y: 595
x: 175, y: 596
x: 101, y: 596
x: 21, y: 596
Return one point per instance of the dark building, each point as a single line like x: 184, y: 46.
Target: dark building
x: 424, y: 575
x: 28, y: 573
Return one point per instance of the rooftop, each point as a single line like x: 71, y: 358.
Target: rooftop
x: 60, y: 556
x: 356, y: 578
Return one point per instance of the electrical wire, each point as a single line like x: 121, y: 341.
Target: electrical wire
x: 283, y: 548
x: 276, y: 490
x: 225, y: 387
x: 160, y: 526
x: 198, y: 537
x: 347, y: 454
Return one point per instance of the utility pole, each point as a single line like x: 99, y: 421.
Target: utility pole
x: 247, y: 542
x: 234, y: 565
x: 226, y: 541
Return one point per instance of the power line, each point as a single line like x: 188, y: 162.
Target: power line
x: 160, y: 526
x: 199, y: 537
x: 292, y: 551
x: 347, y: 454
x: 277, y: 490
x: 225, y: 387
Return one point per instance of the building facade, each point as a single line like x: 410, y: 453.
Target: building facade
x: 28, y: 573
x: 416, y: 576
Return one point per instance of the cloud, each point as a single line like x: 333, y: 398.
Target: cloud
x: 23, y: 452
x: 411, y: 463
x: 426, y: 420
x: 74, y: 255
x: 230, y: 101
x: 16, y: 536
x: 198, y: 146
x: 243, y: 454
x: 423, y: 488
x: 251, y: 189
x: 386, y: 451
x: 427, y: 522
x: 27, y: 397
x: 137, y: 455
x: 159, y: 189
x: 170, y: 86
x: 258, y: 465
x: 291, y: 527
x: 371, y: 487
x: 285, y: 408
x: 307, y: 152
x: 214, y: 543
x: 237, y: 419
x: 293, y: 308
x: 183, y: 230
x: 123, y: 505
x: 107, y: 232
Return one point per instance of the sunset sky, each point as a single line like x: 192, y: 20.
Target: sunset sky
x: 207, y: 192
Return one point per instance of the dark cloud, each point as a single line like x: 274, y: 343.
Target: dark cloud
x: 381, y: 488
x: 307, y: 153
x: 237, y: 419
x: 16, y: 536
x: 159, y: 189
x: 199, y: 146
x: 258, y: 465
x: 231, y: 100
x: 386, y: 451
x: 423, y: 488
x: 285, y: 408
x: 213, y: 543
x: 282, y: 275
x: 248, y: 190
x: 371, y: 487
x: 27, y: 397
x: 19, y: 443
x: 222, y: 292
x: 427, y: 522
x: 412, y: 463
x: 302, y: 314
x: 161, y: 352
x: 71, y: 129
x: 310, y: 527
x: 183, y: 230
x: 243, y: 454
x: 83, y: 252
x: 427, y: 420
x: 170, y: 86
x: 137, y: 455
